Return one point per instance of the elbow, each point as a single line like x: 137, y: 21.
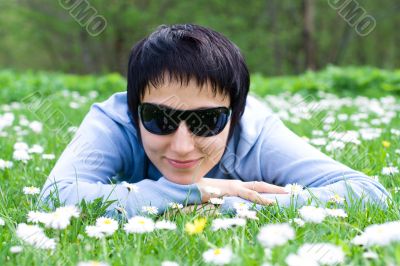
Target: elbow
x: 372, y: 192
x: 54, y: 194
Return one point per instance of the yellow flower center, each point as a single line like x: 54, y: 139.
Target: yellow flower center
x: 217, y: 251
x: 386, y: 144
x: 196, y: 227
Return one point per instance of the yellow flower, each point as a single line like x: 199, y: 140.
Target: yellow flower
x: 337, y: 199
x: 386, y: 144
x: 196, y: 227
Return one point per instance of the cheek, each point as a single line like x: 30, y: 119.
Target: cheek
x: 152, y: 144
x: 214, y: 147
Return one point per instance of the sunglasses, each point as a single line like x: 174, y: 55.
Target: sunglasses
x: 162, y: 120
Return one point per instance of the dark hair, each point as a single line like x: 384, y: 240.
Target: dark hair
x: 185, y: 52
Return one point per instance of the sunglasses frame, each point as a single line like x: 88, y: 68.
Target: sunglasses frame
x: 184, y: 115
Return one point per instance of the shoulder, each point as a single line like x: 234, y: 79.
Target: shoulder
x: 108, y: 127
x: 256, y: 119
x: 115, y: 108
x: 254, y: 126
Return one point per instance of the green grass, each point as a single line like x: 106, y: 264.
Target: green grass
x: 73, y: 245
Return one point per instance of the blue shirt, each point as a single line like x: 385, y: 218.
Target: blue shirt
x: 105, y: 151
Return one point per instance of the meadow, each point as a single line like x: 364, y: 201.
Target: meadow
x: 351, y: 114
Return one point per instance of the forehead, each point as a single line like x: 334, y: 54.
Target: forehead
x: 179, y: 95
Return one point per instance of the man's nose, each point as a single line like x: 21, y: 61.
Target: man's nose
x: 182, y: 140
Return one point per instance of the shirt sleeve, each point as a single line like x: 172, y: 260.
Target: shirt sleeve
x: 99, y: 151
x: 285, y: 158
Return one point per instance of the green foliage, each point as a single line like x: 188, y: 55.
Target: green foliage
x: 344, y: 81
x: 15, y: 86
x: 73, y: 243
x: 41, y: 34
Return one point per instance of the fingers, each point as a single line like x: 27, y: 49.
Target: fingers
x: 263, y: 187
x: 254, y: 196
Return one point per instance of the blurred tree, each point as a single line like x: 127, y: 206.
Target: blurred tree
x: 276, y: 37
x: 308, y: 10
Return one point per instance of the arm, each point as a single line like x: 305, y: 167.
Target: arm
x: 99, y: 151
x: 285, y: 158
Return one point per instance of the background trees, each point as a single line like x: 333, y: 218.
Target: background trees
x: 276, y: 37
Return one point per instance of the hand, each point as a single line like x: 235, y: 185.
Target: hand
x: 247, y: 190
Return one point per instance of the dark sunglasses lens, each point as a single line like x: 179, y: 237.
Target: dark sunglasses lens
x: 156, y: 120
x: 163, y: 121
x: 207, y: 123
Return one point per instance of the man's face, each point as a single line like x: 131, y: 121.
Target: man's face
x: 181, y: 156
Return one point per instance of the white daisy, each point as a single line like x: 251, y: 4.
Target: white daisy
x: 34, y: 235
x: 360, y: 240
x: 36, y: 126
x: 169, y: 263
x: 294, y: 189
x: 336, y: 213
x: 59, y: 219
x: 131, y: 187
x: 335, y: 145
x: 217, y: 201
x: 268, y: 253
x: 94, y: 231
x: 150, y: 210
x: 36, y: 216
x: 379, y: 234
x: 2, y: 223
x: 48, y: 156
x: 23, y: 121
x: 272, y: 235
x: 69, y: 211
x: 370, y: 255
x: 312, y: 214
x: 93, y: 94
x: 219, y: 256
x: 121, y: 210
x: 72, y: 129
x: 336, y: 199
x: 323, y: 253
x: 240, y: 206
x: 36, y: 149
x: 31, y: 190
x: 92, y: 263
x: 139, y: 224
x: 107, y: 225
x: 175, y: 205
x: 5, y: 164
x: 56, y: 220
x: 391, y: 170
x: 225, y: 223
x: 298, y: 221
x: 21, y: 155
x: 248, y: 214
x: 165, y: 225
x: 16, y: 249
x: 21, y: 146
x: 74, y: 105
x: 297, y: 260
